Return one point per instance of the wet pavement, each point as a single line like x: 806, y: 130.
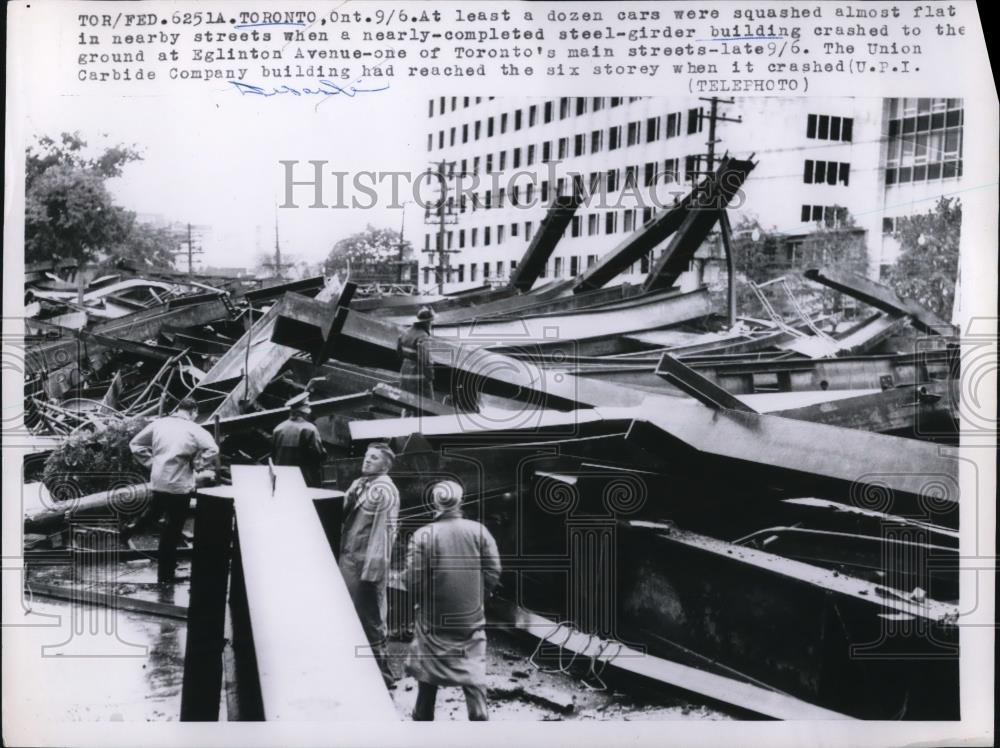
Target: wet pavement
x: 129, y: 666
x: 111, y: 665
x: 130, y: 672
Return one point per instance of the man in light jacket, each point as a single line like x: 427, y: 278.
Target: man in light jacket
x: 371, y: 509
x: 174, y: 448
x: 452, y: 567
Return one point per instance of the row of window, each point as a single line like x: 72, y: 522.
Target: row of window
x: 567, y: 104
x: 606, y: 222
x: 648, y: 130
x: 925, y: 122
x: 925, y: 145
x: 830, y: 172
x: 908, y: 107
x: 925, y: 173
x: 466, y: 101
x: 498, y: 270
x: 826, y: 127
x: 631, y: 177
x: 831, y: 215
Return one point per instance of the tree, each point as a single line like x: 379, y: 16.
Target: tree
x: 762, y: 255
x: 71, y: 214
x: 143, y: 245
x: 927, y: 268
x: 372, y: 253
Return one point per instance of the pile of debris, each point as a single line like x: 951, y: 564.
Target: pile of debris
x: 761, y: 505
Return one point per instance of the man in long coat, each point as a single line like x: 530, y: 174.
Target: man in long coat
x: 452, y: 567
x: 296, y: 441
x: 368, y: 531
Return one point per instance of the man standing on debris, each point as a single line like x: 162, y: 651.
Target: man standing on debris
x: 296, y: 441
x: 371, y: 508
x: 174, y: 448
x: 452, y: 567
x: 416, y: 372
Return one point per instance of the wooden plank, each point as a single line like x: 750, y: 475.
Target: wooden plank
x: 310, y: 648
x: 82, y: 596
x: 242, y: 679
x: 210, y: 550
x: 746, y: 696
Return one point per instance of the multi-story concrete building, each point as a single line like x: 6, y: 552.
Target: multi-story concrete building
x: 820, y: 161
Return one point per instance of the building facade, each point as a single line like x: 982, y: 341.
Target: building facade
x: 869, y: 161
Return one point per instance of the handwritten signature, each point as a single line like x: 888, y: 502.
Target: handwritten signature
x: 325, y: 89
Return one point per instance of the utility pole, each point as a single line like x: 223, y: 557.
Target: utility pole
x: 277, y: 251
x: 190, y: 252
x: 185, y: 237
x: 401, y: 246
x: 277, y: 266
x: 725, y: 228
x: 442, y: 267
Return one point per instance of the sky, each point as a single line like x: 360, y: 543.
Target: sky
x: 214, y: 161
x: 211, y: 156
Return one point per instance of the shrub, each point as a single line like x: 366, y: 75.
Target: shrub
x: 90, y: 462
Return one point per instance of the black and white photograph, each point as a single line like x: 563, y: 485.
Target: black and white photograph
x: 338, y: 391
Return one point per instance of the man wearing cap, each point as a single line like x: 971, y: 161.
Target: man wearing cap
x: 416, y: 372
x: 452, y: 567
x: 368, y: 531
x: 296, y: 441
x: 174, y: 448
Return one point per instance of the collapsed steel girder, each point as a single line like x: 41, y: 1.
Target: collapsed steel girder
x: 59, y: 358
x: 305, y: 286
x: 694, y: 384
x: 848, y: 457
x: 783, y: 444
x: 708, y: 204
x: 557, y: 218
x: 714, y: 193
x: 925, y: 410
x: 879, y: 296
x: 243, y: 372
